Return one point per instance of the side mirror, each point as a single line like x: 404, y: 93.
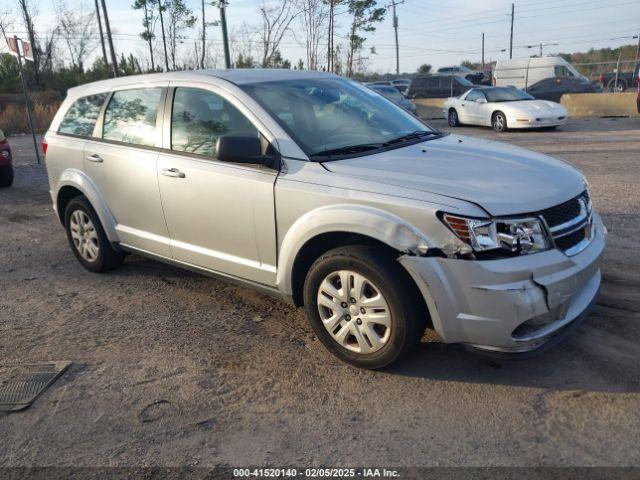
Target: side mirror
x: 482, y: 100
x: 243, y: 148
x: 2, y: 137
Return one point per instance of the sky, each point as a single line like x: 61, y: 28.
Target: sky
x: 439, y: 33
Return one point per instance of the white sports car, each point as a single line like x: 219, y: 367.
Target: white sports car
x: 502, y: 108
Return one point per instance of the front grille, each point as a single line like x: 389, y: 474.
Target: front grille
x: 567, y: 237
x: 571, y: 240
x: 564, y: 212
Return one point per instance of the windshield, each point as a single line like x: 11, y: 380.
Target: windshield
x: 326, y: 114
x: 506, y: 94
x: 390, y: 92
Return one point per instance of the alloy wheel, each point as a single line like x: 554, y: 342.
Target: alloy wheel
x: 354, y: 311
x: 84, y: 235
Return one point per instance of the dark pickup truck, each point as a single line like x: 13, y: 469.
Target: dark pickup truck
x: 625, y: 80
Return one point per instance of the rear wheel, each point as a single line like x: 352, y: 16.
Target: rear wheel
x: 621, y: 86
x: 6, y: 176
x: 453, y: 118
x: 499, y: 122
x: 363, y: 306
x: 86, y: 236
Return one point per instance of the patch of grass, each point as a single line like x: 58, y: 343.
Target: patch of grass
x: 13, y: 115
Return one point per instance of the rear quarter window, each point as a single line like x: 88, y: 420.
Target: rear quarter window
x: 131, y: 116
x: 82, y: 115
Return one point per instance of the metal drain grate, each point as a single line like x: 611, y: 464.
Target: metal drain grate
x: 20, y: 385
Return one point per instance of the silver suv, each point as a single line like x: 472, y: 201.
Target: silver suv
x: 318, y: 190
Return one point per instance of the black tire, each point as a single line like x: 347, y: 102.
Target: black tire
x: 407, y: 311
x: 452, y: 118
x: 6, y: 176
x: 622, y: 86
x: 499, y: 122
x: 107, y: 257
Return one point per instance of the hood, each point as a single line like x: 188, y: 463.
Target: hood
x: 535, y: 107
x: 501, y: 178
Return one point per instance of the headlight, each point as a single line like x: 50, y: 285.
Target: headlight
x: 519, y: 236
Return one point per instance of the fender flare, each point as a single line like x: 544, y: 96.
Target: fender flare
x: 78, y: 179
x: 348, y: 218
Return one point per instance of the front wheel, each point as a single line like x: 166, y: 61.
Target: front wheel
x: 453, y: 119
x: 6, y: 176
x: 363, y: 306
x: 499, y: 122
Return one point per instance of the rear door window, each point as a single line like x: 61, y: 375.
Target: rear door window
x: 131, y: 116
x: 81, y: 117
x: 198, y: 119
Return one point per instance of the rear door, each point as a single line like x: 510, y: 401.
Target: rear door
x: 77, y: 125
x: 220, y: 215
x: 123, y: 162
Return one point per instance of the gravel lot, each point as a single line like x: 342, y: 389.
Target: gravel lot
x: 172, y: 368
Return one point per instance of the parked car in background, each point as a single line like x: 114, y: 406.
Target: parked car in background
x: 473, y: 76
x: 6, y: 162
x: 395, y: 96
x: 317, y: 192
x: 553, y: 88
x: 624, y: 80
x: 377, y: 82
x: 502, y: 108
x: 402, y: 84
x: 546, y: 78
x: 438, y: 86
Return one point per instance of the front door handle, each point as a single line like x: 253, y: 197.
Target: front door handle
x: 172, y: 172
x: 95, y: 158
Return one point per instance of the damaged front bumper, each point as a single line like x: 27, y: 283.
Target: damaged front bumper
x: 516, y: 305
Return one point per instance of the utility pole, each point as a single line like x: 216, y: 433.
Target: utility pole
x: 114, y: 62
x: 225, y: 39
x: 395, y: 27
x: 204, y: 41
x: 638, y: 48
x: 483, y: 51
x: 164, y: 39
x: 104, y: 50
x: 511, y: 36
x: 330, y: 39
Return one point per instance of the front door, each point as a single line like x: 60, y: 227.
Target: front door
x: 220, y: 215
x: 475, y: 112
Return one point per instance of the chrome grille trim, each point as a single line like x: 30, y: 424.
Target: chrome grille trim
x: 582, y: 221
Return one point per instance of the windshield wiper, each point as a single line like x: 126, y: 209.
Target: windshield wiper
x: 347, y: 150
x: 411, y: 136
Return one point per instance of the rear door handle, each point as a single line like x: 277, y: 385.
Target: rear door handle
x: 172, y: 172
x: 95, y: 158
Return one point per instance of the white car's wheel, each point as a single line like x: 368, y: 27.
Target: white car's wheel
x: 499, y: 122
x: 452, y: 118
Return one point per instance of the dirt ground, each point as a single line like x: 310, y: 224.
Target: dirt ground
x: 171, y: 368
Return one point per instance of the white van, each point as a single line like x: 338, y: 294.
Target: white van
x: 524, y: 72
